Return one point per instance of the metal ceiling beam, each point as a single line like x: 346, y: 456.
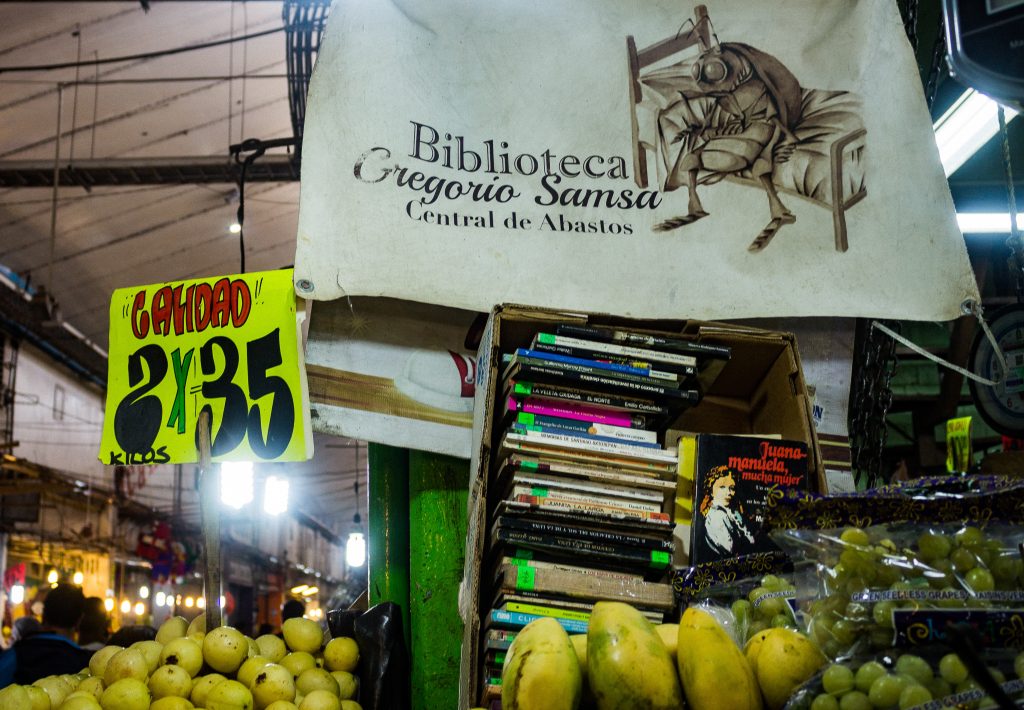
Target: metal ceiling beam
x: 146, y: 171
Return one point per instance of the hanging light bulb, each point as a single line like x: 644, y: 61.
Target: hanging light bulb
x: 78, y: 578
x: 108, y: 604
x: 126, y: 606
x: 355, y: 547
x: 52, y: 577
x: 160, y: 598
x: 190, y: 602
x: 201, y: 602
x: 140, y: 609
x: 144, y: 592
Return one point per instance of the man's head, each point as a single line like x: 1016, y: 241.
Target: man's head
x: 292, y: 609
x: 63, y: 607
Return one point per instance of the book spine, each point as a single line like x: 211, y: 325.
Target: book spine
x: 588, y: 399
x: 615, y: 349
x: 530, y: 447
x: 577, y: 486
x: 561, y: 494
x: 614, y: 476
x: 616, y: 538
x: 518, y: 621
x: 632, y: 386
x: 595, y: 367
x: 552, y: 612
x: 532, y: 418
x: 605, y: 552
x: 552, y: 503
x: 643, y: 339
x: 657, y: 596
x: 577, y: 412
x: 585, y: 434
x: 602, y: 447
x: 585, y: 571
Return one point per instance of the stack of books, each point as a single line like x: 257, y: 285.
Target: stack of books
x: 583, y: 490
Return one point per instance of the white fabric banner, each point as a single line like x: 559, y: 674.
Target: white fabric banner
x: 656, y: 159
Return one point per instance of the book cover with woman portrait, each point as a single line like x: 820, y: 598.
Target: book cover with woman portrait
x: 733, y: 477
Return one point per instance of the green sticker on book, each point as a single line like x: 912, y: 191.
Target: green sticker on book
x: 524, y: 554
x: 529, y: 465
x: 539, y: 491
x: 545, y: 338
x: 660, y: 560
x: 522, y: 388
x: 525, y: 577
x: 526, y: 418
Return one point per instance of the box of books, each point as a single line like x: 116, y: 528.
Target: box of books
x: 578, y: 422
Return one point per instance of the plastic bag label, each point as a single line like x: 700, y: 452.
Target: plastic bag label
x: 995, y: 628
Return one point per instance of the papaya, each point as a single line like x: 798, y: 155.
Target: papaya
x: 753, y: 648
x: 669, y: 634
x: 629, y: 667
x: 541, y: 671
x: 713, y: 669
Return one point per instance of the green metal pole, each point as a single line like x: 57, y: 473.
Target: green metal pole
x: 388, y: 541
x: 438, y: 488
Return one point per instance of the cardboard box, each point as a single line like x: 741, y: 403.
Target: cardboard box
x: 760, y: 391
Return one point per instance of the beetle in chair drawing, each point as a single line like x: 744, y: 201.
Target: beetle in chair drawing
x: 717, y: 111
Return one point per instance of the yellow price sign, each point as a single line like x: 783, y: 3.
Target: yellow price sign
x: 229, y: 345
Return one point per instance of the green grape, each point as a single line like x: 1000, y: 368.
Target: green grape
x: 837, y: 679
x: 755, y: 628
x: 772, y: 607
x: 915, y: 667
x: 882, y: 613
x: 825, y: 702
x: 1006, y: 567
x: 998, y: 675
x: 850, y: 559
x: 969, y: 537
x: 914, y: 695
x: 867, y: 674
x: 821, y: 629
x: 1018, y: 665
x: 854, y: 700
x: 886, y: 576
x: 780, y: 620
x: 980, y: 580
x: 756, y: 593
x: 770, y: 581
x: 939, y: 688
x: 934, y: 546
x: 885, y: 691
x: 741, y: 609
x: 855, y: 536
x: 858, y: 611
x: 952, y: 669
x: 845, y: 632
x: 880, y: 638
x: 963, y: 560
x: 951, y: 602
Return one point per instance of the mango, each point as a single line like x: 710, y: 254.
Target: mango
x: 541, y: 671
x: 786, y: 661
x: 629, y: 667
x: 714, y: 672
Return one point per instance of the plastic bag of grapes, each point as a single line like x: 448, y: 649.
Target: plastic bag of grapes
x: 757, y: 603
x: 887, y: 585
x: 932, y: 678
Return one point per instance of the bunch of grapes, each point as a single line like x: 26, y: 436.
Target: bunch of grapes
x: 765, y: 606
x: 907, y: 683
x: 873, y: 576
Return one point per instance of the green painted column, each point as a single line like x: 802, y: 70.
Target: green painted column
x: 388, y: 540
x: 438, y: 489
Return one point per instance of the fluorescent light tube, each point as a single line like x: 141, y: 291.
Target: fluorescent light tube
x: 970, y: 123
x: 987, y: 222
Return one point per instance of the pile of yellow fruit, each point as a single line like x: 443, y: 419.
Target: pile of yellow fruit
x: 186, y: 667
x: 624, y: 661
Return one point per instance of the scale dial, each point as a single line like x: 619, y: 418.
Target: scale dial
x: 1002, y: 405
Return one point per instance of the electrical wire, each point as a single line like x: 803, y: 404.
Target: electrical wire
x: 143, y: 55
